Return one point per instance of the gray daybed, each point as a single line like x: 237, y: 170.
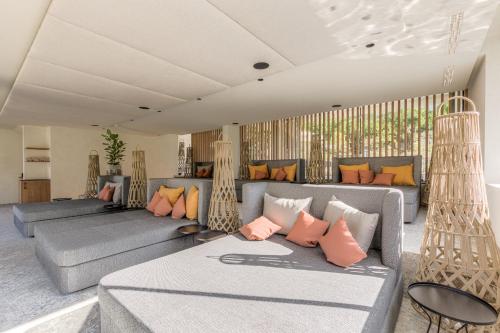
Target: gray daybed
x: 232, y: 284
x: 411, y: 194
x: 78, y: 251
x: 28, y: 214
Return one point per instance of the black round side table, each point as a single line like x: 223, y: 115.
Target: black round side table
x: 192, y: 230
x: 452, y: 303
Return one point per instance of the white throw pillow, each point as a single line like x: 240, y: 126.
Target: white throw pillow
x: 361, y: 225
x: 284, y: 212
x: 117, y: 194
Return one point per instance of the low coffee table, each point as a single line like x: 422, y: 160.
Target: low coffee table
x: 452, y: 303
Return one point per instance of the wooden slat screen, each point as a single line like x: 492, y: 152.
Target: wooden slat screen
x: 395, y: 128
x: 203, y: 145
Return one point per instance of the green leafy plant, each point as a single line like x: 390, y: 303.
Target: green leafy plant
x: 114, y: 147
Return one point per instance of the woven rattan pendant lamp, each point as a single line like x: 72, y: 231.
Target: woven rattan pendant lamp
x: 459, y: 248
x: 92, y: 174
x: 223, y: 210
x: 137, y: 192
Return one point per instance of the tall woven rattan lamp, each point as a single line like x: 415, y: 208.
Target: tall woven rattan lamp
x: 137, y: 192
x: 459, y: 248
x: 92, y: 174
x: 223, y: 210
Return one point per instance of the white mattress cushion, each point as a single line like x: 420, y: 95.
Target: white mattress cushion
x: 284, y: 212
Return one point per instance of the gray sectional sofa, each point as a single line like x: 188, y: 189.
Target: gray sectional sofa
x: 231, y: 284
x: 27, y: 215
x: 411, y: 194
x: 300, y: 173
x: 76, y: 252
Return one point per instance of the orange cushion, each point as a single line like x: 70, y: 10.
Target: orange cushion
x: 103, y: 191
x: 171, y: 193
x: 192, y: 203
x: 281, y: 175
x: 260, y: 175
x: 403, y: 174
x: 364, y: 166
x: 366, y: 176
x: 383, y: 179
x: 259, y: 229
x: 179, y: 209
x: 253, y: 168
x: 200, y: 173
x: 290, y: 172
x: 340, y: 247
x: 274, y: 172
x: 154, y: 201
x: 307, y: 230
x: 350, y: 177
x: 163, y: 208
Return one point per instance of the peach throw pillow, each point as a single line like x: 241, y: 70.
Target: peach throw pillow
x: 179, y: 209
x: 307, y: 230
x: 340, y: 247
x: 107, y: 193
x: 350, y: 177
x: 366, y: 176
x: 383, y: 179
x: 154, y: 201
x: 259, y: 175
x: 102, y: 192
x: 280, y: 175
x: 163, y: 208
x: 259, y: 229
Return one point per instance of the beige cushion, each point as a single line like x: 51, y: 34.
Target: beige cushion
x: 284, y: 212
x: 361, y: 225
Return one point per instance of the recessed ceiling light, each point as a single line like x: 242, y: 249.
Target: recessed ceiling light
x: 159, y: 111
x: 336, y: 105
x: 131, y: 119
x: 236, y: 123
x: 198, y: 99
x: 369, y: 45
x: 94, y: 125
x: 260, y: 79
x: 144, y: 107
x: 261, y: 65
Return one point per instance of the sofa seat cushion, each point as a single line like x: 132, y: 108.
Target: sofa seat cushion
x: 80, y: 240
x: 31, y: 212
x: 272, y: 285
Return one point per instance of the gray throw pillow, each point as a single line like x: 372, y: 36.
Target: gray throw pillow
x: 284, y: 212
x: 361, y: 225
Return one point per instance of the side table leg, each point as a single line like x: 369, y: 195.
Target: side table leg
x: 463, y: 326
x: 430, y: 320
x: 439, y: 324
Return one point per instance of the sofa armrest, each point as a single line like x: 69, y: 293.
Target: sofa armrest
x: 253, y: 201
x: 392, y: 229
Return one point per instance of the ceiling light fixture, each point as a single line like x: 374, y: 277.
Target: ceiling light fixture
x: 370, y: 45
x: 94, y: 125
x: 455, y: 25
x: 236, y: 123
x: 198, y: 99
x: 336, y: 105
x: 131, y: 120
x: 448, y: 76
x: 144, y: 107
x: 261, y: 65
x: 260, y: 79
x: 159, y: 111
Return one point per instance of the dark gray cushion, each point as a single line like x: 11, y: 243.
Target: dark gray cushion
x: 78, y: 240
x: 234, y: 284
x: 30, y: 212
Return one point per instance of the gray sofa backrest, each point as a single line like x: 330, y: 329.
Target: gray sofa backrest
x: 204, y: 186
x: 124, y: 180
x: 376, y: 164
x: 300, y: 174
x: 387, y: 202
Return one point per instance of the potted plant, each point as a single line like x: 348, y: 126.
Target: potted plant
x: 115, y: 149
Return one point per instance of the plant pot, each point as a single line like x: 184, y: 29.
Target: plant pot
x: 114, y: 170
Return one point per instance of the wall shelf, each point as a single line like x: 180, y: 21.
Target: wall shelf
x: 37, y: 148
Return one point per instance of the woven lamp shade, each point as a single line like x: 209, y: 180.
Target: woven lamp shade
x: 92, y: 175
x: 137, y: 191
x: 316, y: 167
x: 459, y: 248
x: 223, y: 211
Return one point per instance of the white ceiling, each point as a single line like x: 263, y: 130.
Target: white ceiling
x: 96, y: 61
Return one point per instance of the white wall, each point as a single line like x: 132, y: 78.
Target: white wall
x: 11, y: 165
x: 484, y: 89
x: 70, y: 148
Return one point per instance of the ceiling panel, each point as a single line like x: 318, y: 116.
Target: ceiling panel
x: 192, y: 34
x: 66, y: 45
x: 52, y: 76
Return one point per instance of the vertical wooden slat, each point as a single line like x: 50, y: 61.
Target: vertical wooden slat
x: 426, y: 133
x: 398, y: 142
x: 412, y: 117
